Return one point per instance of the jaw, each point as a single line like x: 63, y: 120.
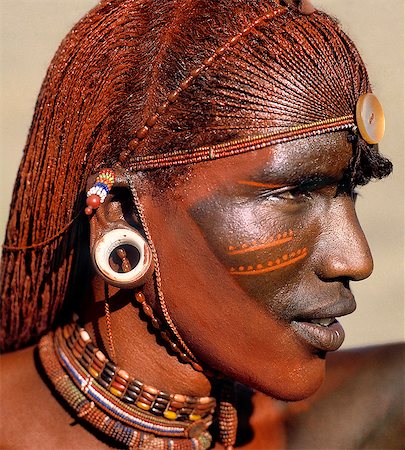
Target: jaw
x: 294, y: 382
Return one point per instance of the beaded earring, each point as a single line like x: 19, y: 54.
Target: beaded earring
x: 97, y: 194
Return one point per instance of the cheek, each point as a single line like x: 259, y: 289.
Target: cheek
x: 263, y: 251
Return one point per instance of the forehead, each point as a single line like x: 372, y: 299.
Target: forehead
x: 328, y: 155
x: 325, y: 155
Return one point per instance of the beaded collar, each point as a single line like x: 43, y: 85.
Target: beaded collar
x: 121, y: 407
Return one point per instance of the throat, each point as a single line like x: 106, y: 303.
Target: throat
x: 129, y: 336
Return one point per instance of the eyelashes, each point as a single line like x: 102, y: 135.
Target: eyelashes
x: 287, y: 193
x: 267, y: 190
x: 304, y: 189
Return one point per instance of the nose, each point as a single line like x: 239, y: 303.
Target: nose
x: 344, y: 249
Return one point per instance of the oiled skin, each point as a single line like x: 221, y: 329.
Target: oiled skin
x: 360, y: 406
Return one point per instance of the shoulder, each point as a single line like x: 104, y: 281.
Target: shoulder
x: 360, y: 403
x: 30, y: 415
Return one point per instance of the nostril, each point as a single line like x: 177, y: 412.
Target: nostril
x: 347, y: 266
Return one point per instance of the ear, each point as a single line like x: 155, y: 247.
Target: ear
x: 118, y: 247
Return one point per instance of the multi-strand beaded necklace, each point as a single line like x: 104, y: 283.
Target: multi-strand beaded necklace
x: 121, y: 407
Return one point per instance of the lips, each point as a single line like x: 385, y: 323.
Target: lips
x: 322, y: 337
x: 320, y: 329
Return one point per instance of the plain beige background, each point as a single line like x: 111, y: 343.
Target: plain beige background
x: 32, y: 29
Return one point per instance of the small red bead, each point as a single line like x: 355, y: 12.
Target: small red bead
x: 172, y: 97
x: 142, y: 132
x: 162, y: 108
x: 186, y: 83
x: 152, y: 120
x: 88, y: 211
x: 196, y: 72
x: 132, y: 145
x: 140, y: 298
x: 147, y: 309
x: 93, y: 201
x: 208, y: 62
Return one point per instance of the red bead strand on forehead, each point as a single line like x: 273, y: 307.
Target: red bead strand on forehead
x: 184, y: 85
x: 243, y: 145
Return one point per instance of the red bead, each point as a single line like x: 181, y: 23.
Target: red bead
x: 173, y: 346
x: 140, y: 298
x: 147, y: 309
x: 196, y: 366
x: 152, y: 120
x: 221, y: 50
x: 186, y: 83
x: 172, y: 97
x: 123, y: 156
x: 132, y: 145
x: 93, y: 201
x: 196, y: 72
x: 208, y: 62
x: 162, y: 108
x: 142, y: 132
x: 88, y: 211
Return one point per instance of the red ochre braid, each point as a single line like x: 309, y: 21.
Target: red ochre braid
x: 194, y: 74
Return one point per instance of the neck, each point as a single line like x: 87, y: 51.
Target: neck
x: 144, y: 392
x: 133, y: 344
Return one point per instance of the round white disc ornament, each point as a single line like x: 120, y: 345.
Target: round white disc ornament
x: 114, y: 239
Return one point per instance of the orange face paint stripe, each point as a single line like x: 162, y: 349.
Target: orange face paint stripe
x: 264, y: 185
x: 284, y: 261
x: 274, y: 242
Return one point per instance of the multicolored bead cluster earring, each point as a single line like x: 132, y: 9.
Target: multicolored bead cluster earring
x: 97, y: 194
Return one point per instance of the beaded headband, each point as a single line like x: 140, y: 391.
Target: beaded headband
x: 369, y: 121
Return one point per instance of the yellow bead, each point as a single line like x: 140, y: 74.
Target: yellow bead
x: 115, y: 392
x: 93, y: 372
x: 143, y: 406
x: 170, y: 415
x: 194, y: 417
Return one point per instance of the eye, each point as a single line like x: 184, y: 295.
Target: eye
x: 294, y: 194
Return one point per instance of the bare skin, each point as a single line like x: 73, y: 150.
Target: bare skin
x: 206, y: 299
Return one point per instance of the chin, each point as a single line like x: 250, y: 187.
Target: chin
x: 297, y: 382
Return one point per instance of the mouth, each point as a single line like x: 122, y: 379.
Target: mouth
x: 319, y: 328
x: 325, y: 334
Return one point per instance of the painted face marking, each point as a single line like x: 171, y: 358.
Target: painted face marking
x: 263, y: 185
x: 279, y: 263
x: 274, y: 241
